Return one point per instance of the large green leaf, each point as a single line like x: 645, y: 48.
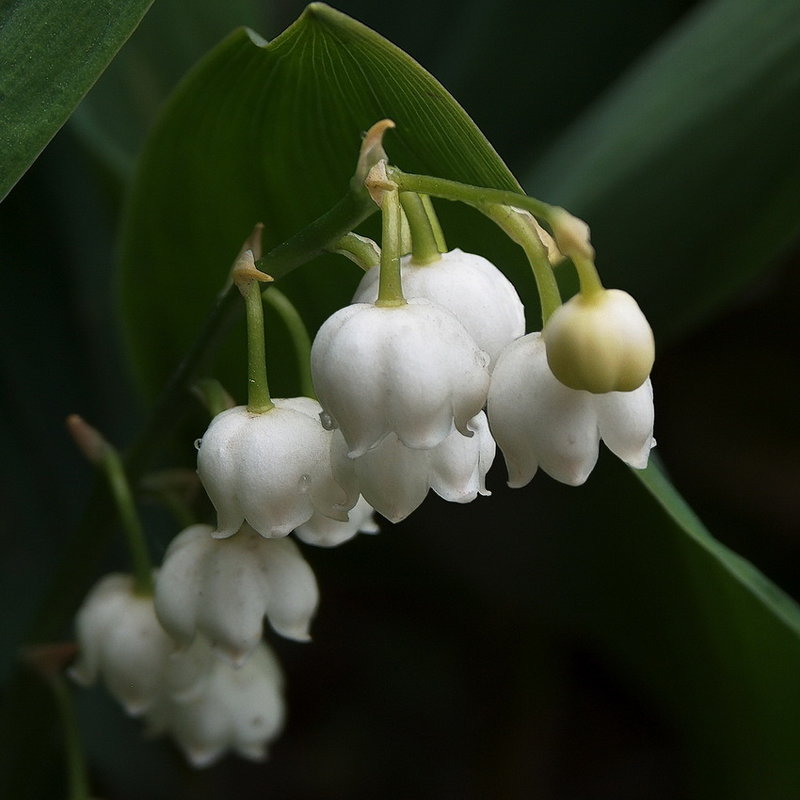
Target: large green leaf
x: 690, y: 167
x: 270, y: 132
x: 50, y: 55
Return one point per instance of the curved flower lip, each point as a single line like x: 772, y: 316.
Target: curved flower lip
x: 467, y: 285
x: 412, y: 370
x: 396, y: 479
x: 539, y: 422
x: 326, y: 532
x: 271, y: 470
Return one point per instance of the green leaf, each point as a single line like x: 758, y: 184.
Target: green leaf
x: 271, y: 133
x: 50, y: 55
x: 690, y: 167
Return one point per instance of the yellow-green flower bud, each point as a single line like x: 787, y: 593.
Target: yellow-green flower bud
x: 601, y: 342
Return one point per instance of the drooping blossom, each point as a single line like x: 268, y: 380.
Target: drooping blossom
x: 537, y: 421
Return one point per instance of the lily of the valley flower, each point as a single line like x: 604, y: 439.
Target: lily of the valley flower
x: 122, y: 642
x: 326, y: 532
x: 395, y: 479
x: 601, y: 342
x: 539, y: 422
x: 470, y: 287
x: 223, y: 589
x: 271, y: 469
x: 411, y: 369
x: 240, y: 709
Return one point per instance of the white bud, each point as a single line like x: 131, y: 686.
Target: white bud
x: 601, y: 343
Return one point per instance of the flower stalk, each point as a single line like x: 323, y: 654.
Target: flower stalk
x: 517, y: 228
x: 471, y: 195
x: 359, y: 249
x: 424, y: 246
x: 247, y: 279
x: 104, y: 455
x: 390, y: 291
x: 436, y: 226
x: 291, y: 318
x: 49, y: 662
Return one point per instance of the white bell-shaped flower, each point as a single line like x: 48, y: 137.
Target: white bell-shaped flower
x: 239, y: 709
x: 326, y: 532
x: 223, y: 589
x: 481, y: 297
x: 271, y: 470
x: 122, y: 642
x: 412, y: 370
x: 395, y: 479
x: 539, y: 422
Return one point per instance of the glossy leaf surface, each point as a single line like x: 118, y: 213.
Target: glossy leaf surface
x: 50, y: 55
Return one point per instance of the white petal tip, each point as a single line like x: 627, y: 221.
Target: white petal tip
x: 135, y: 708
x: 254, y: 753
x: 200, y: 757
x: 295, y: 633
x: 80, y: 676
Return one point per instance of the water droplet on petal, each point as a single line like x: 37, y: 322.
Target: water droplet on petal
x: 197, y: 443
x: 483, y: 359
x: 327, y: 421
x: 304, y: 484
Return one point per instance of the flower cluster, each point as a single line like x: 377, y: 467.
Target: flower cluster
x: 206, y: 703
x: 420, y: 379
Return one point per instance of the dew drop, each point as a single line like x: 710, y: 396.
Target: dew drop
x: 197, y: 443
x: 484, y: 359
x: 304, y: 484
x: 327, y: 421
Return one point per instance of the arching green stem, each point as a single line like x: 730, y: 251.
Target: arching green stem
x: 472, y: 195
x: 278, y: 301
x: 131, y: 525
x: 424, y: 247
x: 390, y: 288
x: 359, y: 249
x: 77, y: 775
x: 587, y: 274
x: 103, y: 455
x: 212, y: 395
x: 520, y: 230
x: 436, y: 226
